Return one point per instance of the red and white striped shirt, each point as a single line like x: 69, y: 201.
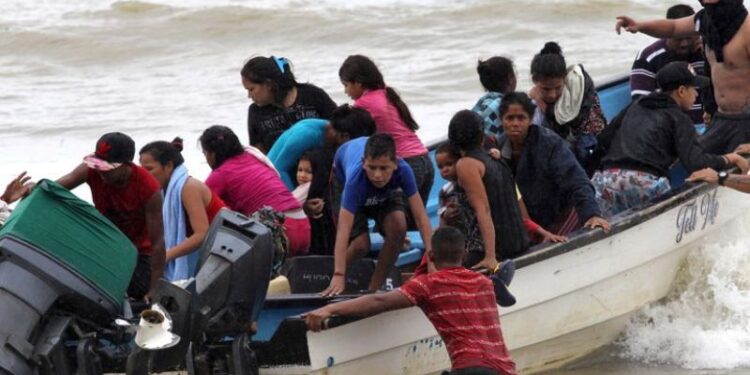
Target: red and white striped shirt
x: 461, y: 305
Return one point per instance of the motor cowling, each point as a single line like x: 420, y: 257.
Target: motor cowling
x: 233, y: 275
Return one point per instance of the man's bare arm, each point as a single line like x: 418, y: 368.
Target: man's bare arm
x: 362, y: 306
x: 75, y: 178
x: 663, y: 28
x: 739, y: 182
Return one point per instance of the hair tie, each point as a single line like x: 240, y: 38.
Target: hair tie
x: 280, y: 61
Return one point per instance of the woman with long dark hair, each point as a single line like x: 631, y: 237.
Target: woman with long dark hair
x: 567, y: 103
x: 247, y: 182
x: 278, y: 99
x: 364, y: 83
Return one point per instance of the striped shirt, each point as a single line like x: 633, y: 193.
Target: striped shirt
x: 461, y: 305
x: 647, y: 64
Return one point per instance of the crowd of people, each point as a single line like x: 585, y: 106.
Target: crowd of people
x: 521, y: 168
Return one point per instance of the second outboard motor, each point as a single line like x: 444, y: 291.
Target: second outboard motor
x: 229, y: 291
x: 233, y: 276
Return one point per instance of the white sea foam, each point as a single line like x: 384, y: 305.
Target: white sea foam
x: 705, y: 324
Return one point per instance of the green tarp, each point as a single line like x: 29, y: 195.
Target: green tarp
x: 75, y: 233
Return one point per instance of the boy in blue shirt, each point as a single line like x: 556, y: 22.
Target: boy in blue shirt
x: 375, y: 183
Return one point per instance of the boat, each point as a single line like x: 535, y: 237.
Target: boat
x: 573, y: 298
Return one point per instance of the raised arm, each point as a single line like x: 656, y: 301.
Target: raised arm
x: 16, y: 188
x: 663, y: 28
x: 75, y: 178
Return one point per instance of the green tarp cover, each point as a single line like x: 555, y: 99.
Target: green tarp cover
x: 75, y: 233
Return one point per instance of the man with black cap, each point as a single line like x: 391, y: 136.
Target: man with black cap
x: 725, y: 29
x: 646, y: 138
x: 130, y: 197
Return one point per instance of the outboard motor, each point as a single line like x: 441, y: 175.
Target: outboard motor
x: 229, y: 291
x: 64, y: 272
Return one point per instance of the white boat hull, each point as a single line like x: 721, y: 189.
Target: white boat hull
x: 568, y: 305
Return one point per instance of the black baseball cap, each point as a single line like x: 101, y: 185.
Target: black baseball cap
x: 112, y: 150
x: 680, y: 73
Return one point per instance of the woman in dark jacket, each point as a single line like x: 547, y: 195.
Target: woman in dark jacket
x: 555, y: 188
x: 278, y: 100
x: 486, y: 188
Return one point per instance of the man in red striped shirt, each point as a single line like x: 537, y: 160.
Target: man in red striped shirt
x: 460, y: 304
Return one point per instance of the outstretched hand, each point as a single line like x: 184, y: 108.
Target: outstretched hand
x: 743, y: 165
x: 338, y: 282
x: 314, y: 207
x: 495, y: 153
x: 704, y: 175
x: 486, y: 263
x: 743, y: 149
x: 548, y: 236
x: 627, y: 23
x: 17, y: 188
x: 597, y: 222
x: 314, y: 319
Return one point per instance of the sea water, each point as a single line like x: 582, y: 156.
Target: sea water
x: 702, y: 327
x: 73, y: 70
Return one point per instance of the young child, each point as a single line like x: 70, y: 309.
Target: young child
x: 364, y: 83
x: 313, y: 178
x: 304, y: 177
x: 473, y: 338
x: 498, y: 77
x: 446, y: 158
x: 375, y: 183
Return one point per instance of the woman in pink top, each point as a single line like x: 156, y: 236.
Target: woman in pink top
x: 246, y: 184
x: 364, y: 83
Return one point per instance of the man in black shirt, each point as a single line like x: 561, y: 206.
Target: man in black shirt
x: 644, y: 140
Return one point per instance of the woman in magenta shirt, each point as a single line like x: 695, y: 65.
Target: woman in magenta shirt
x: 364, y: 83
x: 246, y: 183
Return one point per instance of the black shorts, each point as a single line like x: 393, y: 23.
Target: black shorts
x: 424, y: 174
x: 725, y: 133
x: 394, y: 202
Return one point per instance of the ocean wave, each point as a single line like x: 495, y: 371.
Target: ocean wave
x: 138, y: 7
x: 705, y: 323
